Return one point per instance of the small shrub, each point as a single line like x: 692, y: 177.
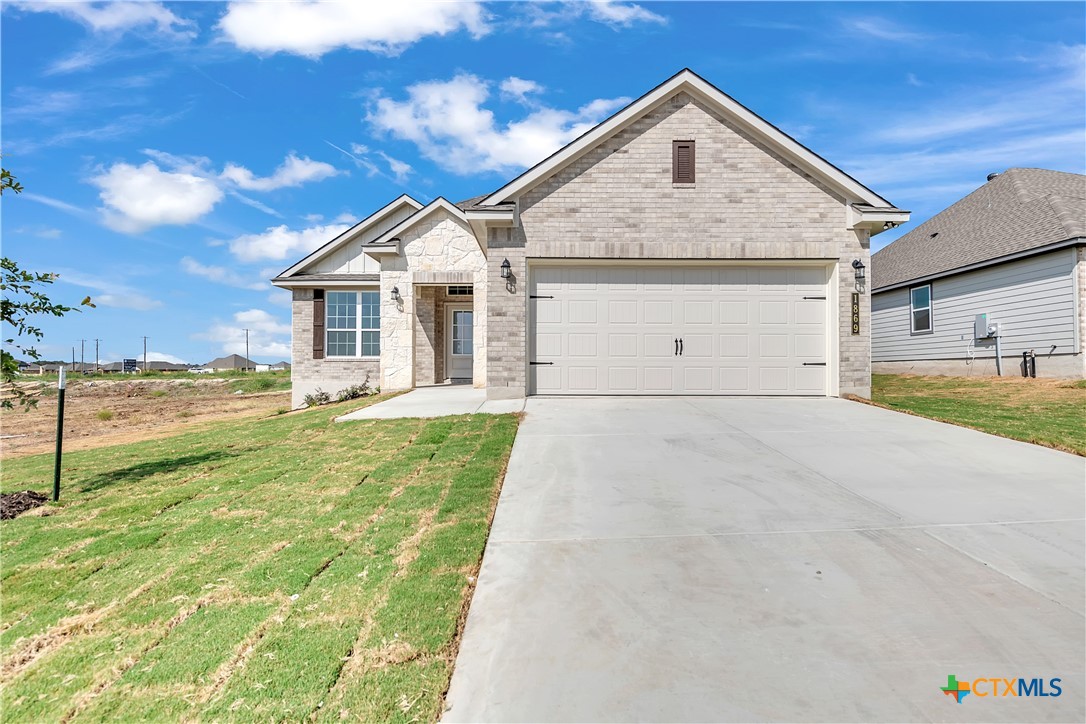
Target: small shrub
x: 105, y: 415
x: 354, y: 392
x: 158, y: 393
x: 185, y: 413
x: 282, y: 410
x: 316, y: 398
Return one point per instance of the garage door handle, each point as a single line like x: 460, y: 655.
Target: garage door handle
x: 814, y: 297
x: 680, y: 347
x: 541, y: 363
x: 814, y: 364
x: 676, y: 347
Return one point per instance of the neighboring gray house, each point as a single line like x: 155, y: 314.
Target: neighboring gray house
x: 1014, y: 250
x: 230, y: 362
x: 682, y: 246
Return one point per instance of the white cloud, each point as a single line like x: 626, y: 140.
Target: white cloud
x: 346, y: 218
x: 162, y: 357
x: 139, y: 197
x: 42, y: 232
x: 116, y: 17
x: 268, y: 335
x: 280, y: 242
x: 400, y: 169
x: 220, y: 274
x: 110, y: 292
x: 621, y: 14
x: 609, y: 12
x: 883, y: 29
x: 54, y: 203
x: 517, y: 89
x: 294, y: 171
x: 450, y: 126
x: 312, y: 29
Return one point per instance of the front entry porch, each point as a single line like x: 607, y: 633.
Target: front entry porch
x: 445, y: 334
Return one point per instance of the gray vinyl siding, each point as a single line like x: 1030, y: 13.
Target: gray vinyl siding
x: 1033, y: 298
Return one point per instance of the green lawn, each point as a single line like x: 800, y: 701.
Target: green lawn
x: 280, y: 569
x: 1042, y: 411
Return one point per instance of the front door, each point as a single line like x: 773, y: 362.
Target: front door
x: 459, y: 341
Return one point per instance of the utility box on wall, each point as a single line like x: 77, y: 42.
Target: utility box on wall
x: 980, y: 327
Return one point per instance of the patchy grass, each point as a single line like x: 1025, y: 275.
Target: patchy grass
x: 1047, y: 412
x: 284, y: 568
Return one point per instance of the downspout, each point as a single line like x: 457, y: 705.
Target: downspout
x: 999, y: 355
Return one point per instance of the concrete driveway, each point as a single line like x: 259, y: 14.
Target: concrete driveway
x: 720, y: 559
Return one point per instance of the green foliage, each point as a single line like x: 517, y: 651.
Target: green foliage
x: 322, y: 555
x: 20, y: 300
x: 355, y: 391
x: 317, y: 398
x: 105, y: 415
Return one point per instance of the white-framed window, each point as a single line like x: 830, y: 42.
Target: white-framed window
x: 353, y: 323
x: 920, y: 309
x: 459, y: 290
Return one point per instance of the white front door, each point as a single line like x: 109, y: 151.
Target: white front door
x: 459, y: 342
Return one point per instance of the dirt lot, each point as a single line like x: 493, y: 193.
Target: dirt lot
x: 111, y: 412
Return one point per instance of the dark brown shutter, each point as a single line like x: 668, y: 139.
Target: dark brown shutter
x: 682, y: 162
x: 318, y: 324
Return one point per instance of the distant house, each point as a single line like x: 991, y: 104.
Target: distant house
x: 230, y: 362
x: 279, y: 366
x: 1013, y: 250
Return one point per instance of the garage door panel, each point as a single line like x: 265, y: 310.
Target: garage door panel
x: 745, y: 330
x: 581, y: 311
x: 582, y: 344
x: 622, y: 345
x: 659, y: 311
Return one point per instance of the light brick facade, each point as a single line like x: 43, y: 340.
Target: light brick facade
x: 615, y: 201
x: 618, y: 202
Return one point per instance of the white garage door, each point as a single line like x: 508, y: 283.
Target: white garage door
x: 726, y: 330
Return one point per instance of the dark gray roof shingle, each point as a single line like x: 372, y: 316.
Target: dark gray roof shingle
x: 1022, y: 209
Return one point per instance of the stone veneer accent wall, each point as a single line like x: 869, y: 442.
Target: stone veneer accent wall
x: 618, y: 202
x: 329, y: 374
x: 438, y: 245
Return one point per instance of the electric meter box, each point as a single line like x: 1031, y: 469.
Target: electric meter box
x: 980, y: 327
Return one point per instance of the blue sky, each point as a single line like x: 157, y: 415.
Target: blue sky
x: 177, y: 155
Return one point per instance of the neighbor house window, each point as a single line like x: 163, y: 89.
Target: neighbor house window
x: 920, y: 308
x: 353, y: 324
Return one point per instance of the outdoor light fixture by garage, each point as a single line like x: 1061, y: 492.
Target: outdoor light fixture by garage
x: 860, y: 269
x: 507, y: 269
x: 396, y: 294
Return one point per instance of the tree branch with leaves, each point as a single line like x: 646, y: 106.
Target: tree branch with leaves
x: 21, y: 300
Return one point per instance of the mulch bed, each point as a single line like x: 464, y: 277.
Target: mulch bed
x: 13, y: 504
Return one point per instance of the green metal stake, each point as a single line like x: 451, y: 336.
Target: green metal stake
x: 60, y: 434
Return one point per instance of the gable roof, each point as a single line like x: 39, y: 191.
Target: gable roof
x: 388, y: 240
x: 689, y: 81
x: 350, y: 234
x: 1016, y: 212
x: 230, y: 361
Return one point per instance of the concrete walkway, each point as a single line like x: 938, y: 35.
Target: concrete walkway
x: 772, y: 560
x: 437, y: 401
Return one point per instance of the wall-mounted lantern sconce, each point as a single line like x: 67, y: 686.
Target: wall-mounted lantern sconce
x: 396, y: 294
x: 861, y: 273
x: 507, y: 269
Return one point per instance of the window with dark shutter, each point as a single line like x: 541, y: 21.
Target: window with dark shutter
x: 682, y: 162
x: 318, y: 324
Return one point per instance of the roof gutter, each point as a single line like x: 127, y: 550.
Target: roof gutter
x: 1074, y: 241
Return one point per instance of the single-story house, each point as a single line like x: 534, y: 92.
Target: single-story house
x: 685, y: 245
x: 1014, y: 251
x: 279, y: 366
x: 229, y: 362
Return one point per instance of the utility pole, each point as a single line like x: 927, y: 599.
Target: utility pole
x: 246, y: 350
x: 83, y: 356
x: 73, y: 356
x: 145, y: 355
x: 60, y: 432
x: 96, y: 358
